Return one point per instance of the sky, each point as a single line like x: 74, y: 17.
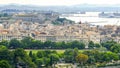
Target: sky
x: 58, y: 2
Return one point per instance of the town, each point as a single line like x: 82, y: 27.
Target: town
x: 34, y: 34
x: 48, y: 25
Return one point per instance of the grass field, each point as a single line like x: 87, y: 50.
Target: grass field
x: 35, y: 51
x: 57, y: 50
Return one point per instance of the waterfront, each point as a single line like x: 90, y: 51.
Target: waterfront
x: 93, y: 18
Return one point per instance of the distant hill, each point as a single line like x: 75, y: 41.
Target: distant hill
x: 73, y: 8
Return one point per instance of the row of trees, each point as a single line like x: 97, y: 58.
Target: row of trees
x: 96, y: 56
x: 112, y: 46
x: 29, y: 43
x: 90, y: 57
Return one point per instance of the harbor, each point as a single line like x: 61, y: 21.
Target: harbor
x: 92, y: 18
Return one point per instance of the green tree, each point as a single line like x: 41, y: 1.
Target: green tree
x: 97, y: 45
x: 36, y: 44
x: 68, y: 55
x: 26, y: 42
x: 40, y: 54
x: 5, y: 54
x: 109, y: 44
x: 75, y: 54
x: 82, y: 58
x: 95, y: 53
x: 53, y: 58
x: 5, y: 43
x: 91, y: 44
x: 115, y: 48
x: 14, y: 43
x: 39, y: 62
x: 47, y: 53
x: 108, y: 56
x: 47, y: 44
x: 20, y: 56
x: 61, y: 45
x: 77, y: 44
x: 30, y: 54
x: 91, y: 60
x: 46, y: 61
x: 4, y: 64
x: 33, y: 56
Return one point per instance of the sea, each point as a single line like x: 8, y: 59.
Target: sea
x: 91, y: 18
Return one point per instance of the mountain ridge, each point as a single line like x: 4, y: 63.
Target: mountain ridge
x: 71, y: 8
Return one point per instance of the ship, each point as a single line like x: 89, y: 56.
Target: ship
x: 109, y: 15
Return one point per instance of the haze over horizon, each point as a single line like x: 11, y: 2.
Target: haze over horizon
x: 58, y: 3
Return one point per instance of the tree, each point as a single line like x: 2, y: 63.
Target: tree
x: 26, y: 42
x: 33, y: 56
x: 47, y: 44
x: 115, y: 48
x: 109, y: 44
x: 82, y: 58
x: 35, y: 44
x: 4, y: 42
x: 14, y: 43
x: 97, y: 45
x: 91, y: 60
x: 47, y: 53
x: 79, y: 45
x: 30, y: 54
x: 20, y: 56
x: 53, y: 58
x: 46, y: 61
x: 108, y: 56
x: 40, y: 54
x: 75, y: 53
x: 68, y: 55
x: 5, y: 54
x: 39, y: 62
x: 63, y: 45
x: 91, y: 44
x: 20, y: 52
x: 4, y: 64
x: 97, y: 55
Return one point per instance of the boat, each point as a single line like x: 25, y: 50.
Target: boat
x: 109, y: 15
x: 82, y: 12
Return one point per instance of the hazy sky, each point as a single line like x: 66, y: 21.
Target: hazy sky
x: 59, y: 2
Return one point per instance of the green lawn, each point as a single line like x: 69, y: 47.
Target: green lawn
x: 58, y: 51
x: 35, y: 51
